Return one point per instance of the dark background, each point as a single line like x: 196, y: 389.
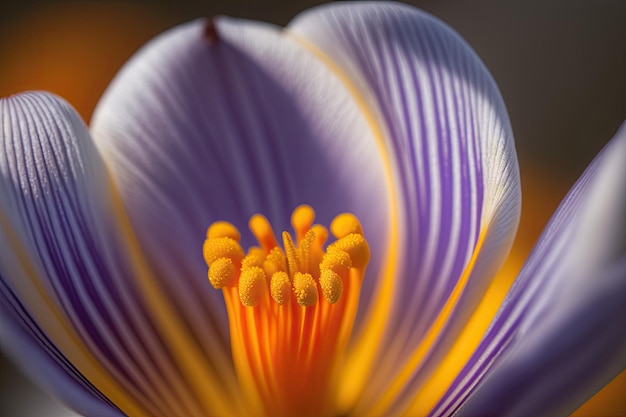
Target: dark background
x: 560, y: 65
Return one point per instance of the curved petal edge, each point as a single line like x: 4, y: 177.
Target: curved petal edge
x: 559, y: 336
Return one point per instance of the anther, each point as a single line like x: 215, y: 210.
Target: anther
x: 345, y: 224
x: 305, y: 289
x: 337, y: 261
x: 275, y: 262
x: 280, y: 287
x: 332, y: 285
x: 252, y: 286
x: 354, y: 245
x: 253, y: 258
x: 221, y: 272
x: 222, y: 247
x: 223, y: 229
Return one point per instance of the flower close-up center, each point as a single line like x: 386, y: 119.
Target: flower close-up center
x: 291, y: 309
x: 390, y: 290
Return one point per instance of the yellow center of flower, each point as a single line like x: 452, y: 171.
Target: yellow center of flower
x: 291, y: 309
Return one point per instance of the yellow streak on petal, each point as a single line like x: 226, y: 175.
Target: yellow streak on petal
x: 467, y: 342
x: 213, y: 390
x: 360, y: 358
x: 399, y: 381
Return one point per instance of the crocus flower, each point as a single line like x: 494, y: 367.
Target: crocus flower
x: 373, y: 109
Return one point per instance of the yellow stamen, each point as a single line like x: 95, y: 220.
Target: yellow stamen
x: 223, y: 229
x: 356, y: 246
x: 280, y: 287
x: 291, y: 309
x: 331, y: 284
x: 253, y: 258
x: 307, y: 254
x: 305, y: 289
x: 275, y: 262
x: 222, y: 247
x: 252, y: 286
x: 345, y: 224
x: 293, y: 261
x: 262, y: 230
x: 221, y: 273
x: 321, y: 234
x: 337, y: 261
x: 301, y: 220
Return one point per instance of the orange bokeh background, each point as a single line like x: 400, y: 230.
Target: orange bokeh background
x: 75, y: 49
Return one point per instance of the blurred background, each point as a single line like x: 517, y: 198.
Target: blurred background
x: 560, y: 65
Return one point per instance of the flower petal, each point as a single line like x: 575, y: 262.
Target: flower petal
x: 45, y: 364
x: 42, y: 164
x: 221, y: 120
x: 559, y: 336
x: 74, y: 279
x: 455, y: 174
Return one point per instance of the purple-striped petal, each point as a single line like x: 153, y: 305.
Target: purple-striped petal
x: 43, y: 163
x: 455, y: 177
x: 23, y: 342
x: 559, y: 336
x: 218, y: 121
x: 75, y: 283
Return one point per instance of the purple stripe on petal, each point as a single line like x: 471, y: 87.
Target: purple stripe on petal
x: 28, y: 344
x: 57, y: 199
x: 455, y: 167
x: 557, y: 337
x: 55, y: 241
